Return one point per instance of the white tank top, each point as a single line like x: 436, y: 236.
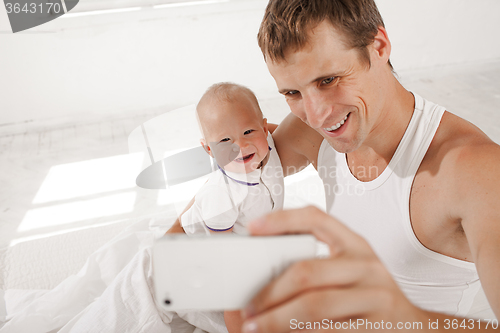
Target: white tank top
x: 379, y: 211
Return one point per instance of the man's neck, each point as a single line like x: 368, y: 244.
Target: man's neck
x: 383, y: 140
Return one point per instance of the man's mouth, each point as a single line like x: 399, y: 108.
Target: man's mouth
x: 245, y: 158
x: 338, y: 125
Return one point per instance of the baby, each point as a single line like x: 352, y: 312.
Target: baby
x: 248, y: 181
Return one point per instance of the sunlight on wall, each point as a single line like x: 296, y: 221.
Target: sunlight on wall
x: 76, y: 180
x: 78, y: 211
x: 85, y: 190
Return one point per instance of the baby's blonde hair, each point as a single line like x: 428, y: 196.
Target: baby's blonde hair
x: 225, y: 92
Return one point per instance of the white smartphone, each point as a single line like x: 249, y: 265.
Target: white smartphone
x: 221, y: 272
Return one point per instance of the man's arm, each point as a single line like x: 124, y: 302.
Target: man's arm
x: 478, y: 187
x: 297, y: 144
x: 271, y: 127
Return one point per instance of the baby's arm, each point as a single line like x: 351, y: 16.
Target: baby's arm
x: 233, y: 321
x: 177, y: 228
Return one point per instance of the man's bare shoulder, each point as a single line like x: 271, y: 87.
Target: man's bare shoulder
x: 297, y: 144
x: 458, y: 143
x: 462, y: 158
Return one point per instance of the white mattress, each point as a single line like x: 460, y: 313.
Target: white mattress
x: 41, y: 267
x: 44, y: 263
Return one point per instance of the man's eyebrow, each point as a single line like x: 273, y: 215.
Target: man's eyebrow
x: 322, y: 77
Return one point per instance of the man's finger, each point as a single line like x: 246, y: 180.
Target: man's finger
x: 309, y: 275
x: 323, y: 306
x: 311, y: 220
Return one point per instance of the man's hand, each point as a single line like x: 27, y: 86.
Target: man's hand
x: 351, y: 284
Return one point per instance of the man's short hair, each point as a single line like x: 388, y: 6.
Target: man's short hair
x: 286, y: 24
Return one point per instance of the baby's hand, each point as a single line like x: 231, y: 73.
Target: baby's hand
x: 233, y: 320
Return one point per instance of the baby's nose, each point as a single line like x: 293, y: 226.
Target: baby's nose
x: 244, y: 143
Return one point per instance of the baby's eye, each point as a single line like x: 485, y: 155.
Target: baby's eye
x: 248, y: 131
x: 225, y: 140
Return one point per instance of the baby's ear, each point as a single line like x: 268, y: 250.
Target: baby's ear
x: 264, y: 124
x: 206, y: 147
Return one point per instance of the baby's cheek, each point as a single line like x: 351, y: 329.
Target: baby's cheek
x: 264, y: 147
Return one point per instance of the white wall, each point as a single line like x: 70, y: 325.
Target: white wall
x: 104, y: 66
x: 101, y: 65
x: 427, y: 33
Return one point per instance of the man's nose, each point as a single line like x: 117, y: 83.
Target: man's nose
x: 315, y: 109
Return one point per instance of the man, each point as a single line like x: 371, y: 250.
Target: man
x: 419, y: 184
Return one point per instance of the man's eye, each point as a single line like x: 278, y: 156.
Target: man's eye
x: 225, y: 140
x: 328, y: 81
x: 248, y: 131
x: 291, y: 92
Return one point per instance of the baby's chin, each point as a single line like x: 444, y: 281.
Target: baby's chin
x: 243, y: 167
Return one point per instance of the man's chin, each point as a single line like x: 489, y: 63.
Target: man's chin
x: 342, y: 147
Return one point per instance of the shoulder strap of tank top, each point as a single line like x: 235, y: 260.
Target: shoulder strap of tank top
x: 427, y: 127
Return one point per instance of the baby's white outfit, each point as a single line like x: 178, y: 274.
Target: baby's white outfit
x: 231, y: 200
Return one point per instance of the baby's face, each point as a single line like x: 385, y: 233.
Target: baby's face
x: 240, y: 123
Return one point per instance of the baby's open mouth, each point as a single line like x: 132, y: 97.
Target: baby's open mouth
x: 245, y: 158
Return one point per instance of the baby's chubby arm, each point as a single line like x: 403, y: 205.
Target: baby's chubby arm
x: 177, y: 228
x: 233, y: 321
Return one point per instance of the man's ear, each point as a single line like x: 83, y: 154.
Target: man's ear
x: 206, y: 147
x: 264, y: 125
x: 381, y: 47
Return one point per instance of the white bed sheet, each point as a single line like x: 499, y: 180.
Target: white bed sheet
x: 74, y: 304
x: 65, y: 307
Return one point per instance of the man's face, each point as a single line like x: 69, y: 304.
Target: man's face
x: 331, y: 89
x: 237, y: 122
